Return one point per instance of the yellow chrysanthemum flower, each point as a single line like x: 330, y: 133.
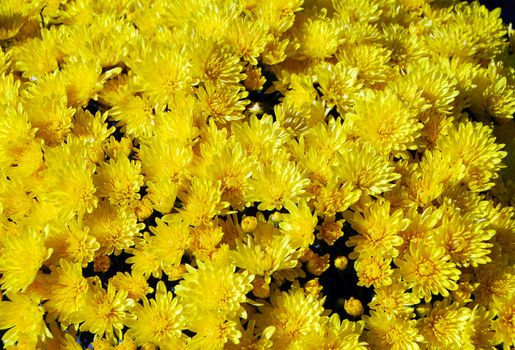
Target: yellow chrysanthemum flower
x: 84, y: 79
x: 473, y: 145
x: 272, y: 185
x: 464, y: 239
x: 165, y: 160
x: 319, y: 36
x: 299, y: 224
x: 37, y: 57
x: 119, y: 181
x: 233, y: 169
x: 21, y: 257
x: 217, y: 63
x: 135, y: 284
x: 373, y: 270
x: 427, y: 269
x: 135, y: 115
x: 115, y: 228
x: 68, y: 290
x: 496, y: 280
x: 383, y: 121
x: 15, y: 15
x: 338, y: 84
x: 265, y: 252
x: 227, y: 287
x: 445, y: 325
x: 388, y: 331
x: 261, y: 138
x: 338, y: 335
x: 365, y: 168
x: 371, y: 61
x: 378, y: 230
x: 420, y: 227
x: 161, y: 251
x: 504, y: 324
x: 105, y: 312
x: 22, y: 316
x: 159, y: 321
x: 161, y: 80
x: 73, y: 243
x: 294, y: 316
x: 393, y: 299
x: 202, y: 201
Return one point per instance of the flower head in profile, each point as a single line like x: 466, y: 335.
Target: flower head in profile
x: 299, y: 224
x: 202, y: 201
x: 265, y: 252
x: 427, y: 269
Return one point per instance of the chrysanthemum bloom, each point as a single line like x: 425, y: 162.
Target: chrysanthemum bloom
x: 496, y: 280
x: 378, y: 230
x: 330, y: 230
x: 21, y: 256
x: 393, y: 299
x: 202, y: 201
x: 383, y: 121
x: 105, y: 312
x: 68, y: 290
x: 338, y: 335
x: 445, y: 325
x: 299, y: 224
x: 294, y: 315
x: 265, y: 253
x: 135, y: 284
x: 159, y: 321
x: 22, y: 316
x: 473, y: 145
x: 272, y: 185
x: 367, y: 169
x: 72, y: 242
x: 504, y: 324
x: 387, y: 331
x: 227, y: 290
x: 464, y: 239
x: 428, y: 271
x: 161, y: 251
x: 479, y: 333
x: 114, y: 227
x: 373, y: 270
x: 420, y: 227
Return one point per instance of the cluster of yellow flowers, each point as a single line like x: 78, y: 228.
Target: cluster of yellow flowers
x: 256, y: 174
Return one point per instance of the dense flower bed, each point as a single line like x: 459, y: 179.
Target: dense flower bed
x: 256, y: 174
